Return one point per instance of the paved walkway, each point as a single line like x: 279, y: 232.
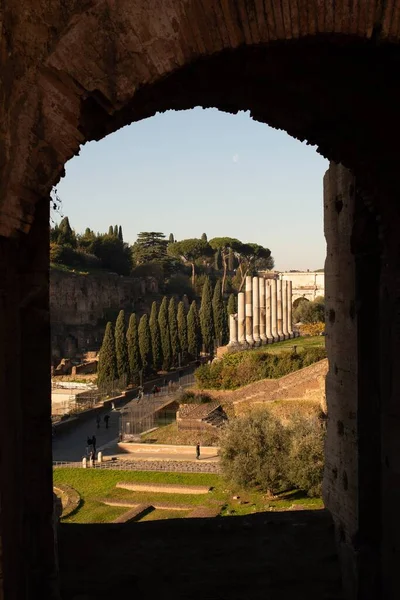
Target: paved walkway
x: 71, y: 444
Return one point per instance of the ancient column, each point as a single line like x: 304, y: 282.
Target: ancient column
x: 284, y: 310
x: 274, y: 324
x: 241, y: 320
x: 233, y: 331
x: 256, y: 312
x: 279, y: 309
x: 268, y: 331
x: 289, y: 309
x: 249, y: 311
x: 261, y: 287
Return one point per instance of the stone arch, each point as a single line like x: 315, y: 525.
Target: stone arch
x: 326, y: 75
x: 104, y: 65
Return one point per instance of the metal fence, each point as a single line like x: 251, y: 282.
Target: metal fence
x: 152, y: 409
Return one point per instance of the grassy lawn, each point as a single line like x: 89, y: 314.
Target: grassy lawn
x: 317, y: 341
x: 170, y: 434
x: 100, y: 484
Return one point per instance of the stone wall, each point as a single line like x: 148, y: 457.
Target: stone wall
x: 80, y: 306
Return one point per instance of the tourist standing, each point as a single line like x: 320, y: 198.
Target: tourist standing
x: 98, y: 419
x: 106, y: 419
x: 198, y: 450
x: 94, y: 442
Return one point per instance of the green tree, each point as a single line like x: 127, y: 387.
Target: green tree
x: 306, y: 455
x: 116, y: 231
x: 204, y: 237
x: 254, y: 451
x: 231, y: 310
x: 182, y: 331
x: 250, y: 257
x: 193, y: 331
x: 224, y: 245
x: 171, y: 239
x: 231, y: 260
x: 111, y: 230
x: 150, y: 246
x: 120, y: 236
x: 164, y: 334
x: 219, y: 316
x: 173, y: 331
x: 218, y: 260
x: 189, y: 251
x: 114, y: 254
x: 107, y: 367
x: 155, y: 337
x: 310, y: 312
x: 66, y: 236
x: 145, y: 343
x: 121, y: 348
x: 135, y: 363
x: 206, y: 317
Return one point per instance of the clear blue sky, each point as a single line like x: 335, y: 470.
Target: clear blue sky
x: 201, y: 171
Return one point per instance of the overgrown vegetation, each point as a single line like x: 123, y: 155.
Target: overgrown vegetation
x: 258, y: 451
x: 241, y: 368
x: 190, y: 397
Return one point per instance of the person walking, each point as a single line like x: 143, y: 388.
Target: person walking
x: 198, y: 450
x: 98, y: 420
x: 106, y: 419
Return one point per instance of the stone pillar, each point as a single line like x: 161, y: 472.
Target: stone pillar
x: 285, y: 310
x: 261, y: 287
x: 279, y: 309
x: 249, y: 311
x: 233, y: 331
x: 241, y: 320
x: 289, y: 309
x: 268, y: 307
x: 256, y: 312
x: 354, y: 461
x: 274, y: 323
x: 26, y: 488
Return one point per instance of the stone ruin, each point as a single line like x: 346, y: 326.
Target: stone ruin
x: 264, y: 314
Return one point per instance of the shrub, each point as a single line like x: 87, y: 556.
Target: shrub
x: 241, y: 368
x: 193, y: 398
x: 306, y: 456
x: 259, y: 451
x: 311, y: 329
x: 254, y: 452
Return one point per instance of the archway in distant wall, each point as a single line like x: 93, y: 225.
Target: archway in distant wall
x: 299, y: 300
x: 94, y: 71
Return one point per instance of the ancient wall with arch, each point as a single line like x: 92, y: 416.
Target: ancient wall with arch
x: 326, y: 73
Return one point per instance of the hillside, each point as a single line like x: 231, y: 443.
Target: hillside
x: 302, y: 390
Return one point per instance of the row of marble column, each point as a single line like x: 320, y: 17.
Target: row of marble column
x: 264, y: 313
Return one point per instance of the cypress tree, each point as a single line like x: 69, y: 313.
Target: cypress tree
x: 204, y: 237
x: 120, y: 236
x: 145, y: 343
x: 121, y: 348
x: 182, y: 330
x: 219, y: 316
x: 155, y: 338
x: 164, y: 334
x: 111, y: 230
x: 231, y: 310
x: 193, y: 331
x: 107, y: 367
x: 135, y: 363
x: 231, y: 260
x: 173, y: 332
x: 206, y: 317
x: 218, y: 260
x: 171, y: 238
x: 115, y: 230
